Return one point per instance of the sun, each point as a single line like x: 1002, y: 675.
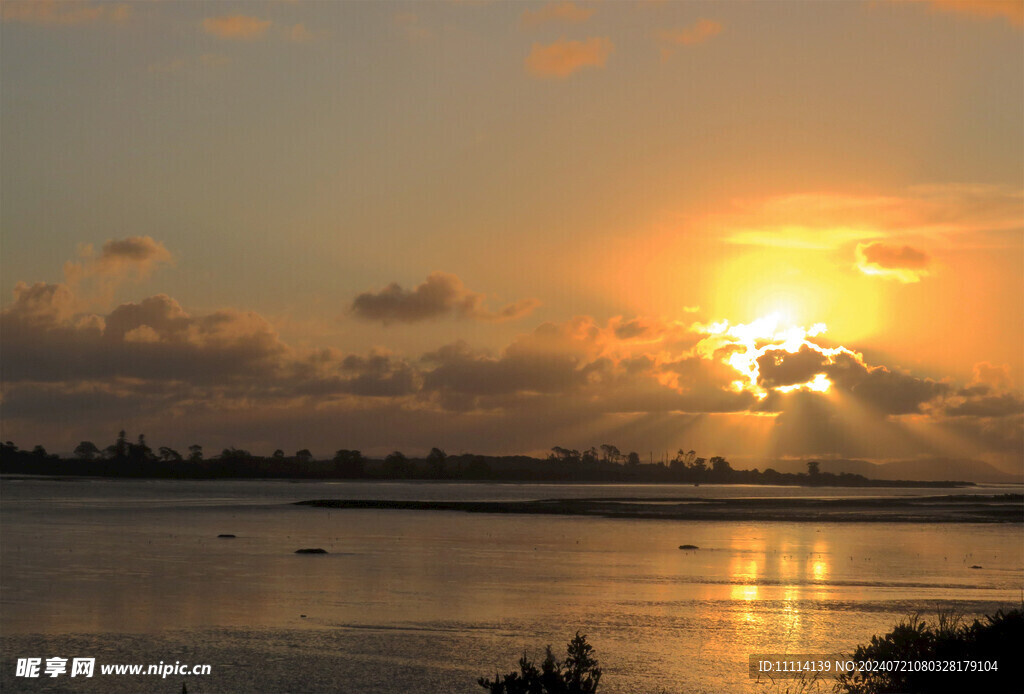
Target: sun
x: 800, y: 290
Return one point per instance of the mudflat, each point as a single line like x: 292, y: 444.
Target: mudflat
x: 1000, y: 508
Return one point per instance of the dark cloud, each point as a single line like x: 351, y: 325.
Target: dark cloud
x: 704, y: 385
x: 135, y: 249
x: 1002, y: 405
x: 514, y: 372
x: 778, y: 367
x: 885, y: 390
x: 442, y: 294
x: 153, y: 339
x: 375, y: 375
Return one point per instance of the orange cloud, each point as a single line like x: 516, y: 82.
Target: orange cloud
x: 121, y: 260
x: 236, y: 27
x: 699, y: 32
x: 41, y: 304
x: 902, y: 263
x: 562, y: 58
x: 997, y: 377
x: 567, y: 12
x: 68, y: 12
x: 135, y: 255
x: 830, y: 220
x: 1010, y: 10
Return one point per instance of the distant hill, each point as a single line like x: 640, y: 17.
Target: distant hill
x: 924, y: 469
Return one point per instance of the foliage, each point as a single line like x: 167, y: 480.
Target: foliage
x: 87, y: 450
x: 348, y: 463
x: 997, y: 638
x: 169, y: 455
x: 396, y: 464
x: 578, y: 674
x: 435, y: 462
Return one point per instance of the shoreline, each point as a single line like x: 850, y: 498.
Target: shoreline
x: 998, y: 508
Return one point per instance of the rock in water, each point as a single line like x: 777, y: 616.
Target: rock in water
x: 688, y: 547
x: 311, y: 550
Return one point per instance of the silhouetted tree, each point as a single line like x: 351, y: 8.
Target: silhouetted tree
x: 38, y: 451
x: 435, y: 462
x: 278, y: 454
x: 121, y: 446
x: 140, y: 452
x: 565, y: 455
x: 348, y: 463
x: 720, y: 466
x: 86, y: 450
x: 478, y: 468
x: 195, y: 453
x: 579, y: 674
x: 813, y: 468
x: 633, y: 458
x: 169, y: 455
x: 610, y: 453
x: 303, y: 456
x: 235, y: 454
x: 396, y: 464
x: 589, y: 456
x: 682, y: 462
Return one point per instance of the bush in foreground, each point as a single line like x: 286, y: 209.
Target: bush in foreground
x: 578, y: 674
x: 997, y: 638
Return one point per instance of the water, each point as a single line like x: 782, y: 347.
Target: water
x: 133, y: 572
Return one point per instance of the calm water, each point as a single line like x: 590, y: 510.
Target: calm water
x: 133, y: 571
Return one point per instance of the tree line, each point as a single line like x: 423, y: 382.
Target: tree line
x: 604, y: 463
x: 126, y: 458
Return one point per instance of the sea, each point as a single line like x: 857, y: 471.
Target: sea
x: 128, y: 572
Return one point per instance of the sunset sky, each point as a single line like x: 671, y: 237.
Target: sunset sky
x: 761, y: 230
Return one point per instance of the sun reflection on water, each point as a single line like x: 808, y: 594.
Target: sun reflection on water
x: 769, y: 583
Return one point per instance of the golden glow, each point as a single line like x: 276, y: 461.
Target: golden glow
x: 818, y: 384
x: 740, y: 346
x: 800, y: 287
x: 745, y: 593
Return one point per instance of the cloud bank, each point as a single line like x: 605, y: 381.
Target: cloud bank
x: 758, y: 388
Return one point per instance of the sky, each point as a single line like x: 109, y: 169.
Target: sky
x: 762, y: 230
